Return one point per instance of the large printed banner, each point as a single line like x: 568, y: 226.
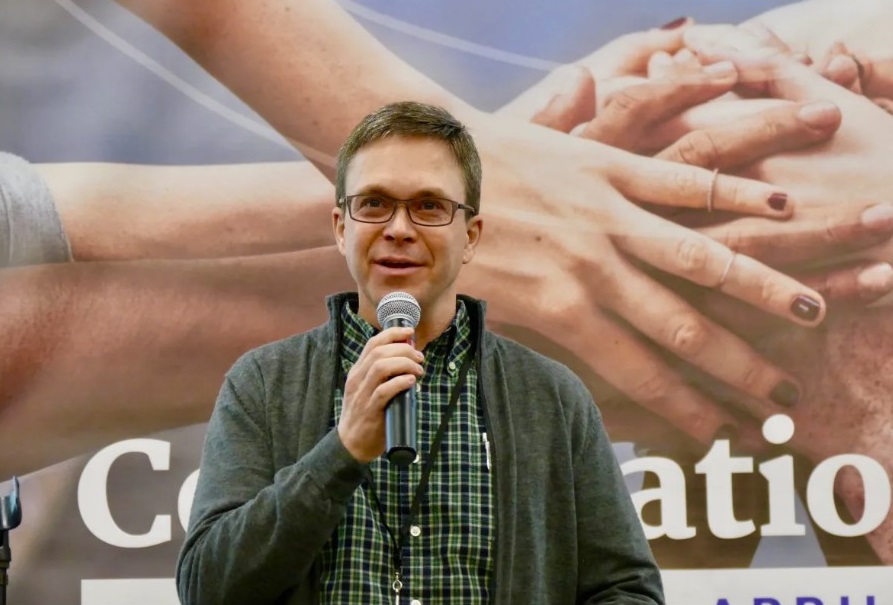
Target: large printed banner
x: 198, y: 232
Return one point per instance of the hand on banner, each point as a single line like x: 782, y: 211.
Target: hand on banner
x: 571, y: 289
x: 561, y: 101
x: 742, y: 137
x: 826, y: 30
x: 816, y: 235
x: 853, y: 165
x: 560, y: 305
x: 837, y: 64
x: 566, y: 96
x: 848, y: 286
x: 629, y: 54
x: 847, y: 42
x: 624, y: 61
x: 635, y: 117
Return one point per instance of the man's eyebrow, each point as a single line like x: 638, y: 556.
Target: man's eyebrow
x: 426, y: 192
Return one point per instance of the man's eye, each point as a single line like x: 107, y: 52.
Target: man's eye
x: 432, y: 204
x: 372, y: 202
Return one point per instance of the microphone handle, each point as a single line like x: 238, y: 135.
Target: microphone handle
x: 400, y: 418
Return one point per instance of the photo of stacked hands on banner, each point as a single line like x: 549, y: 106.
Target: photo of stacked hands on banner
x: 696, y: 218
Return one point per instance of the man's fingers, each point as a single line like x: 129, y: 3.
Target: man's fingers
x: 561, y: 100
x: 391, y: 387
x: 395, y: 334
x: 744, y: 141
x: 670, y: 184
x: 382, y: 371
x: 629, y: 115
x: 819, y: 233
x: 392, y: 343
x: 701, y: 260
x: 388, y: 349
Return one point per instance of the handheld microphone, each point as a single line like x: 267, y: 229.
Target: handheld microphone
x: 399, y: 309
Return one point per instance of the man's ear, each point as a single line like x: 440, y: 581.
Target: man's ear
x: 473, y: 231
x: 338, y: 227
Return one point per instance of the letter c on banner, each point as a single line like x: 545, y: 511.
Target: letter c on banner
x: 93, y: 500
x: 184, y: 500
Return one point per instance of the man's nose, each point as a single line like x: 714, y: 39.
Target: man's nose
x: 400, y: 226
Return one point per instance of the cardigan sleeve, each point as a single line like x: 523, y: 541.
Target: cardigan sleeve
x: 254, y: 532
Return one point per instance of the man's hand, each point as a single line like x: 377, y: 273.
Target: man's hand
x: 387, y: 366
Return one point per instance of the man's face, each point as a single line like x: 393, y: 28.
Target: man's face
x: 400, y: 255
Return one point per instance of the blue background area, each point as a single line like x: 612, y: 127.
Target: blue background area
x: 68, y: 94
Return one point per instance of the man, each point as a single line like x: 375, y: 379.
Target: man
x: 525, y: 501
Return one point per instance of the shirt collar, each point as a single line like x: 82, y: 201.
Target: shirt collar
x: 453, y: 344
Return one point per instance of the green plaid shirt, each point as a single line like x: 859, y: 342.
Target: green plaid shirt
x: 447, y: 556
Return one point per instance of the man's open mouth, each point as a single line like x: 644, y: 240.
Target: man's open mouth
x: 395, y: 264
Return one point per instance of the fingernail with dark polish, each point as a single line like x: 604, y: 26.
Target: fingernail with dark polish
x: 674, y: 23
x: 777, y: 201
x: 806, y: 308
x: 785, y: 394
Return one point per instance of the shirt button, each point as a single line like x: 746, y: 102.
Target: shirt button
x: 418, y: 387
x: 416, y: 531
x: 415, y: 602
x: 452, y: 366
x: 418, y: 458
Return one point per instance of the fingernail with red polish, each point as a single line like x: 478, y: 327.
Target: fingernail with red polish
x: 778, y: 201
x: 806, y: 308
x: 785, y: 394
x: 675, y: 23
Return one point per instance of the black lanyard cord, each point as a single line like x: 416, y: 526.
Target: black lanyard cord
x: 421, y: 489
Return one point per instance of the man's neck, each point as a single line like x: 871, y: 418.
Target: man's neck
x: 428, y: 331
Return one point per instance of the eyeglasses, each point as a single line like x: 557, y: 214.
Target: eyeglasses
x: 424, y: 211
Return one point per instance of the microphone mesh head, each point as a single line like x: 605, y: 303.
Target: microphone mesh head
x: 399, y: 304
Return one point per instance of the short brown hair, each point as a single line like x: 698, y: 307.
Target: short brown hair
x: 413, y: 119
